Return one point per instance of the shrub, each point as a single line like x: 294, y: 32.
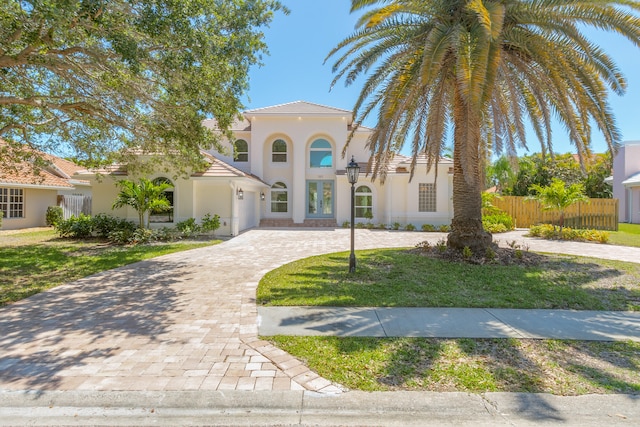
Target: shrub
x: 210, y: 223
x: 121, y: 237
x: 492, y: 222
x: 441, y: 245
x: 188, y: 227
x: 548, y: 231
x: 409, y: 227
x: 423, y: 246
x: 382, y: 226
x: 495, y: 228
x: 78, y: 227
x: 428, y: 227
x: 466, y: 252
x: 104, y: 225
x: 141, y: 236
x: 346, y: 224
x: 396, y: 226
x: 444, y: 228
x: 54, y: 215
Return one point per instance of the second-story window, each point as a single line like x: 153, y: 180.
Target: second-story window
x: 241, y: 151
x: 320, y: 154
x: 279, y: 151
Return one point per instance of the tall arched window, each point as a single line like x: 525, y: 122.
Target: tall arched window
x: 279, y: 198
x: 163, y: 216
x: 364, y: 202
x: 279, y: 151
x: 320, y: 154
x: 241, y: 151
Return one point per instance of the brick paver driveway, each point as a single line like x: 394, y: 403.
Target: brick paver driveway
x: 185, y: 321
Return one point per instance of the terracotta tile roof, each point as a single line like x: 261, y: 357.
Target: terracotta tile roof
x: 299, y: 107
x: 55, y: 175
x: 219, y: 169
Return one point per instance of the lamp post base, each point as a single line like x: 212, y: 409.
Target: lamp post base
x: 352, y: 263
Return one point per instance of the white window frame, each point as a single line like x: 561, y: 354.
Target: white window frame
x: 280, y: 155
x: 313, y: 149
x: 359, y: 208
x: 279, y: 188
x: 12, y: 202
x: 241, y: 155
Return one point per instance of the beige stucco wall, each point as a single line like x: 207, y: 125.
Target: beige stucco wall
x: 36, y: 202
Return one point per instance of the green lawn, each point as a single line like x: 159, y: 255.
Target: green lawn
x: 471, y: 365
x: 402, y: 277
x: 405, y: 278
x: 627, y: 235
x: 31, y: 262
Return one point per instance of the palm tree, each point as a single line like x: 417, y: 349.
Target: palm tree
x: 481, y: 67
x: 558, y: 197
x: 144, y: 196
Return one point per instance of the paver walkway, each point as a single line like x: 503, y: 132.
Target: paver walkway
x: 184, y: 321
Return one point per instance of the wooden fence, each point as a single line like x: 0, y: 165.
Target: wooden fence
x: 74, y: 205
x: 599, y: 214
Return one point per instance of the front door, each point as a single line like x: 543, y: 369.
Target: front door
x: 319, y: 199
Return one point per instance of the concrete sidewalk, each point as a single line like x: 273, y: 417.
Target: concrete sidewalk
x: 449, y: 323
x: 304, y: 408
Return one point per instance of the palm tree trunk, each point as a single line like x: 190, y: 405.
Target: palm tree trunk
x: 466, y: 226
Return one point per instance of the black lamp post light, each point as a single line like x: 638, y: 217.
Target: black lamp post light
x: 353, y: 170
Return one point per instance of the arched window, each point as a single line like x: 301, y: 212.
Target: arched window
x: 241, y: 151
x: 163, y: 216
x: 320, y: 154
x: 279, y: 198
x: 364, y: 202
x: 279, y: 151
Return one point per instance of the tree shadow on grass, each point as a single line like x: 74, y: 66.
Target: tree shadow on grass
x: 83, y: 322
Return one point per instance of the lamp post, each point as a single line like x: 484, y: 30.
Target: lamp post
x: 352, y: 175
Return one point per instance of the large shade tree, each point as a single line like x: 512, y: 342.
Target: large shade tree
x: 85, y: 78
x: 481, y: 68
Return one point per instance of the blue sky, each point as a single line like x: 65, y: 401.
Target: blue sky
x: 299, y: 42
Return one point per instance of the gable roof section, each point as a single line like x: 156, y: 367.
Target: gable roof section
x: 219, y: 169
x: 297, y: 108
x: 56, y: 176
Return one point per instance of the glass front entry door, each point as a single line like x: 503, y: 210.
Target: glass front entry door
x: 320, y: 199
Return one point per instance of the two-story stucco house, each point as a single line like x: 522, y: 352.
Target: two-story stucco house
x: 626, y: 181
x: 286, y: 168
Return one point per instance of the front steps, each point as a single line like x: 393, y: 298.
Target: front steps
x: 288, y: 222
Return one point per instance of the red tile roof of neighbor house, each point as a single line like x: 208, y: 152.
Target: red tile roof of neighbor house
x: 57, y: 174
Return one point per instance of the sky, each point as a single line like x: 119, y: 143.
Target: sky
x: 295, y: 69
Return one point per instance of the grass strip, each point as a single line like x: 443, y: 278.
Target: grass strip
x: 404, y: 278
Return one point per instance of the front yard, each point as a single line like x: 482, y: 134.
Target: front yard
x: 32, y: 261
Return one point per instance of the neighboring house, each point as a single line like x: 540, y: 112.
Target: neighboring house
x: 288, y: 169
x: 25, y: 195
x: 626, y: 181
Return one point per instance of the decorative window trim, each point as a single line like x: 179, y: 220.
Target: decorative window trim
x: 427, y: 200
x: 279, y: 154
x: 12, y: 202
